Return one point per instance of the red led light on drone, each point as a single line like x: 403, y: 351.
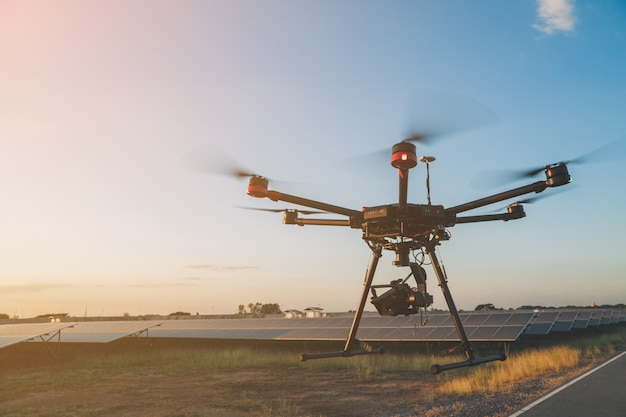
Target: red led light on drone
x: 403, y: 156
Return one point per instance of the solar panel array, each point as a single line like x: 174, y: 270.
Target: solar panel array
x: 495, y: 326
x: 555, y: 321
x: 105, y: 331
x: 11, y: 334
x: 436, y: 328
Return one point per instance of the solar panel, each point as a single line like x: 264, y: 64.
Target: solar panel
x: 562, y: 326
x: 520, y: 318
x: 605, y: 318
x: 483, y: 333
x: 545, y: 317
x: 565, y: 321
x: 371, y: 328
x: 508, y: 333
x: 539, y: 328
x: 442, y: 334
x: 11, y: 334
x: 491, y: 326
x: 327, y: 334
x: 542, y: 322
x: 474, y: 319
x: 436, y: 320
x: 497, y: 319
x: 582, y: 320
x: 596, y: 318
x: 104, y: 331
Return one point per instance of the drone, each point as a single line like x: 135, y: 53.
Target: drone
x: 407, y: 228
x: 403, y: 228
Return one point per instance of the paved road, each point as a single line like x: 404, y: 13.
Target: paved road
x: 600, y: 392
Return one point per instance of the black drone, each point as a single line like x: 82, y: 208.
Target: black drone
x: 406, y: 229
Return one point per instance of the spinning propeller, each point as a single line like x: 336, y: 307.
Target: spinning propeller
x: 612, y: 151
x: 210, y: 159
x: 530, y: 200
x: 306, y: 212
x: 435, y: 114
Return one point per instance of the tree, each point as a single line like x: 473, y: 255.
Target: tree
x: 179, y: 313
x: 272, y: 308
x: 259, y: 309
x: 52, y: 315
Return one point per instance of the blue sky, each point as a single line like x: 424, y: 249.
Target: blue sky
x: 103, y: 100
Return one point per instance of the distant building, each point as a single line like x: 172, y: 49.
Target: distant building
x: 314, y: 312
x: 293, y: 314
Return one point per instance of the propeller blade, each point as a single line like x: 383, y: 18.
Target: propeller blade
x: 612, y: 151
x: 210, y: 159
x: 535, y: 198
x: 306, y: 212
x: 437, y: 113
x: 499, y: 177
x: 432, y: 115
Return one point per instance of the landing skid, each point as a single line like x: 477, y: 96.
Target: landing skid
x: 365, y: 349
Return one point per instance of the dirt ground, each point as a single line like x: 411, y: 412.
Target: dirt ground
x: 289, y: 392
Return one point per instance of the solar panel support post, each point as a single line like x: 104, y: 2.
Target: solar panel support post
x: 458, y: 324
x: 347, y: 351
x: 46, y: 341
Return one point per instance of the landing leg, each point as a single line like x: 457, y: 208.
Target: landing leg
x: 366, y: 349
x: 467, y: 345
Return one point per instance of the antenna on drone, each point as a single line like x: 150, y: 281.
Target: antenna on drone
x: 427, y: 160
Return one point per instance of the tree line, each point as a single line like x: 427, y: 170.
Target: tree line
x: 259, y: 309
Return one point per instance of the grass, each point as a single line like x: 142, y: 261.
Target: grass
x: 498, y: 376
x: 523, y: 364
x: 282, y: 409
x: 96, y: 368
x: 531, y: 364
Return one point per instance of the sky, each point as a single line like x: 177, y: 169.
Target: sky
x: 103, y: 102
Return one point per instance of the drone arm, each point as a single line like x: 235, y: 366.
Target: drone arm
x: 321, y: 222
x: 536, y: 187
x: 491, y: 217
x: 277, y: 196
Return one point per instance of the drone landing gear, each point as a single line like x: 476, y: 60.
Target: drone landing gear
x: 365, y: 348
x: 472, y: 360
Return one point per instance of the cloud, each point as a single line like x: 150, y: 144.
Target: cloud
x: 29, y: 288
x: 555, y: 16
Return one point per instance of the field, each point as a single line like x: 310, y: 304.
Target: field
x: 141, y: 377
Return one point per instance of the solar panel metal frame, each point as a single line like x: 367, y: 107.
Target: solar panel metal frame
x: 106, y: 331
